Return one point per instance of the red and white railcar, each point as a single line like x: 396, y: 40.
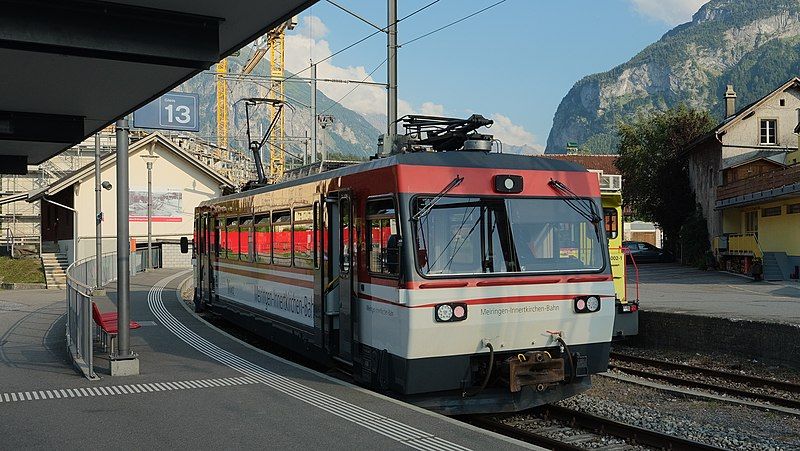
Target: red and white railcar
x: 461, y: 281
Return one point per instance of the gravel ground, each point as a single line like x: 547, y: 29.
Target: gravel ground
x: 717, y: 423
x: 722, y: 362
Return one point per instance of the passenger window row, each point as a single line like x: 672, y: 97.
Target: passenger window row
x: 284, y: 238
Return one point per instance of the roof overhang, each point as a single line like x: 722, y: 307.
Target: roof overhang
x: 769, y: 195
x: 75, y: 66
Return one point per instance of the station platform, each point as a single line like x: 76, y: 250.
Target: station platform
x: 688, y: 309
x: 669, y: 287
x: 197, y: 388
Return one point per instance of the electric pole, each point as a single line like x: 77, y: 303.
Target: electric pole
x: 313, y: 112
x: 392, y: 75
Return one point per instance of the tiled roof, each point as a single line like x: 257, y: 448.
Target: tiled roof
x: 603, y: 163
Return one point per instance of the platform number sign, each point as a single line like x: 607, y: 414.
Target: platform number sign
x: 172, y: 111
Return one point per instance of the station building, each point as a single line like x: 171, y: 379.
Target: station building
x: 746, y: 176
x: 179, y: 183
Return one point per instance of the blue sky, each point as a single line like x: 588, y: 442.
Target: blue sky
x: 513, y: 62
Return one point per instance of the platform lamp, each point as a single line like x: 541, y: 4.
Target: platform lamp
x: 149, y: 160
x: 324, y: 121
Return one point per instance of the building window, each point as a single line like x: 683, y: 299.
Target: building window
x: 792, y: 209
x: 769, y: 129
x: 282, y: 238
x: 751, y: 222
x: 771, y: 211
x: 263, y: 238
x: 383, y: 246
x: 303, y: 234
x: 611, y: 219
x: 783, y: 102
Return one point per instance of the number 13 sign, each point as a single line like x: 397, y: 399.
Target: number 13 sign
x: 172, y: 111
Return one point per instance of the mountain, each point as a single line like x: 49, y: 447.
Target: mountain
x: 350, y: 137
x: 754, y: 45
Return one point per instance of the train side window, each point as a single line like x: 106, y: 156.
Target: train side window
x: 282, y: 238
x: 317, y: 228
x: 231, y: 242
x: 303, y: 234
x: 246, y: 238
x: 219, y: 232
x: 346, y: 234
x: 611, y: 219
x: 383, y: 237
x: 263, y: 238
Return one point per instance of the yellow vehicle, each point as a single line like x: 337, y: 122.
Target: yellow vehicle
x: 626, y: 320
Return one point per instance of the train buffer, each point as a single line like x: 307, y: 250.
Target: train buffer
x: 198, y: 387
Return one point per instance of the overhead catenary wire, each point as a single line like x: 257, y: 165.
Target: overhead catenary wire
x: 452, y: 23
x: 339, y: 101
x: 382, y: 30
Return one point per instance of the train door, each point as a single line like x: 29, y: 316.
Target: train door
x: 344, y: 241
x: 209, y: 245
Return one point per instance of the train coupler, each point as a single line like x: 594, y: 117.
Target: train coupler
x: 534, y: 368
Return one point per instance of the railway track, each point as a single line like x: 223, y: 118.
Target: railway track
x: 779, y: 393
x: 591, y: 429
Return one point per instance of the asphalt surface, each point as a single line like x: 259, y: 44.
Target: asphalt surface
x: 668, y: 287
x: 197, y: 389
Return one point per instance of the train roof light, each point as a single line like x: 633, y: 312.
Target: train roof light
x: 506, y: 183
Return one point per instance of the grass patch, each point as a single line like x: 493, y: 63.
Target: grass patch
x: 21, y: 270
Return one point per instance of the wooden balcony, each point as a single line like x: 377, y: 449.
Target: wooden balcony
x: 759, y: 183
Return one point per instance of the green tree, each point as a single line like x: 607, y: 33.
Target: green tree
x: 654, y: 171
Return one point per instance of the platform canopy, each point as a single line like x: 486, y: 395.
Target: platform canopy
x: 72, y: 67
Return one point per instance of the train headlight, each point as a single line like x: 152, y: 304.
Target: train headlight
x: 587, y: 304
x: 593, y: 303
x: 445, y: 313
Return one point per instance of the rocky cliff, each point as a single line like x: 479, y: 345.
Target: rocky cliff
x: 754, y: 45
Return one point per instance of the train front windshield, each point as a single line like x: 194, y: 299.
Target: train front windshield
x: 474, y: 235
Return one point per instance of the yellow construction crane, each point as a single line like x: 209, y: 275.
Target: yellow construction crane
x: 275, y: 43
x: 222, y: 108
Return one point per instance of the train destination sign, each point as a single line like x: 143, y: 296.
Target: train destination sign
x: 172, y: 111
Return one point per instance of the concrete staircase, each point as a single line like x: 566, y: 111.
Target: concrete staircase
x: 55, y: 270
x: 773, y: 267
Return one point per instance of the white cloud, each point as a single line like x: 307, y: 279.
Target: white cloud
x: 513, y: 134
x: 312, y: 27
x: 307, y: 43
x: 427, y: 108
x: 672, y: 12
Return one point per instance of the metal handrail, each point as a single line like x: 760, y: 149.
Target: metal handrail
x: 81, y: 285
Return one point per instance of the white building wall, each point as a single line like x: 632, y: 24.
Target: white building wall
x: 170, y: 172
x: 171, y: 256
x: 747, y: 132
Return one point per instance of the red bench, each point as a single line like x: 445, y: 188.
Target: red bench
x: 107, y: 322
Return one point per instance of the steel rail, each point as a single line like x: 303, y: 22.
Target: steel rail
x: 743, y: 378
x: 791, y: 403
x: 596, y: 424
x: 522, y: 434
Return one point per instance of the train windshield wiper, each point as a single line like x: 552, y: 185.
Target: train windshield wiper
x: 432, y: 203
x: 583, y: 207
